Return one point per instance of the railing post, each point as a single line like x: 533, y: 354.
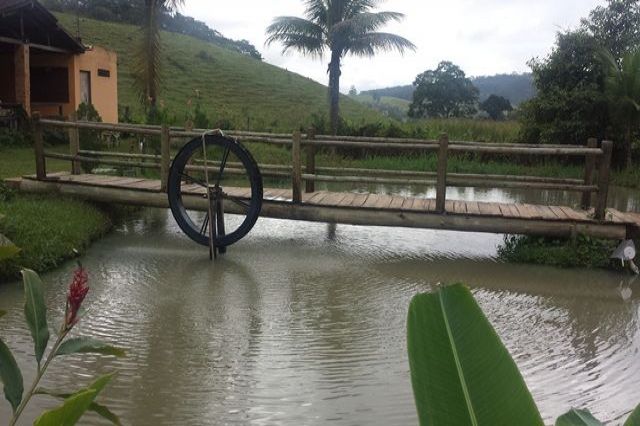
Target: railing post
x: 603, y: 179
x: 165, y: 157
x: 310, y: 185
x: 296, y: 175
x: 74, y: 145
x: 590, y: 165
x: 441, y: 183
x: 38, y: 145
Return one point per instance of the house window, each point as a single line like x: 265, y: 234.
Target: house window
x: 85, y: 87
x: 103, y: 73
x: 49, y: 84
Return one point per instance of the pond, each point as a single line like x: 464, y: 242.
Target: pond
x: 304, y: 323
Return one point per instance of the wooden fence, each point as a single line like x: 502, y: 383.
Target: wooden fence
x: 596, y: 171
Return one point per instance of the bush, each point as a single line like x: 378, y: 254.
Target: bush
x: 585, y: 252
x: 12, y: 138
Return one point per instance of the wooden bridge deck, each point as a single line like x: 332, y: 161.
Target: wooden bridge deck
x: 357, y: 209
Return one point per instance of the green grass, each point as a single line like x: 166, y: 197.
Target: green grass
x: 232, y: 86
x: 49, y: 230
x: 19, y: 161
x: 401, y: 104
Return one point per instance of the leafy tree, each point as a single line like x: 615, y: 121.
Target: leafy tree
x: 443, y: 92
x: 343, y: 27
x: 353, y: 91
x: 622, y: 87
x: 149, y: 52
x: 570, y: 105
x: 495, y: 106
x: 616, y: 26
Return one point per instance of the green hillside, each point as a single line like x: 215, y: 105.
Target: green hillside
x: 250, y: 93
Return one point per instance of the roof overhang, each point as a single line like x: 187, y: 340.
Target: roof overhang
x: 28, y: 22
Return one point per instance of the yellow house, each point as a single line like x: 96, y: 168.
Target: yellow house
x: 45, y: 69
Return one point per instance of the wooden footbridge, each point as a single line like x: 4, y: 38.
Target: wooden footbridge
x: 303, y: 202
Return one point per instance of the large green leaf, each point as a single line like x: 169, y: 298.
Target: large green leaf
x: 35, y: 311
x: 575, y: 417
x: 7, y: 248
x: 87, y: 345
x: 10, y: 376
x: 74, y: 406
x: 634, y: 418
x: 99, y: 409
x: 461, y: 372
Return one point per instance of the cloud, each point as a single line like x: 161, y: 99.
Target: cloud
x: 482, y: 36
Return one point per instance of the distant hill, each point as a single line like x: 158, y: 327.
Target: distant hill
x: 515, y: 87
x: 251, y: 94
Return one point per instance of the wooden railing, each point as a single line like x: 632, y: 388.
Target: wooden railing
x: 597, y: 160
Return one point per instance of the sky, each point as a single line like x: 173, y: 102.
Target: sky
x: 483, y: 37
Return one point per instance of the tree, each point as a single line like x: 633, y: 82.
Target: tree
x: 353, y: 91
x: 495, y: 106
x: 616, y: 26
x: 147, y: 69
x: 622, y: 87
x: 570, y: 105
x: 443, y: 92
x: 344, y: 27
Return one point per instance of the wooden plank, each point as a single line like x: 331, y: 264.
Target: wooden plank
x: 420, y: 204
x: 347, y: 200
x: 571, y: 213
x: 527, y: 211
x: 509, y: 210
x: 431, y: 206
x: 408, y: 203
x: 448, y: 206
x: 546, y: 213
x: 472, y: 207
x: 371, y: 202
x: 396, y: 202
x: 359, y: 200
x: 489, y: 209
x: 383, y: 201
x: 314, y: 197
x: 618, y: 217
x: 560, y: 214
x: 459, y: 207
x: 334, y: 198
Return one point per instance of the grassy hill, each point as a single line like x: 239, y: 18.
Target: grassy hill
x: 250, y: 93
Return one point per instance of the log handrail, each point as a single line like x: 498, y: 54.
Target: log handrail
x: 597, y: 160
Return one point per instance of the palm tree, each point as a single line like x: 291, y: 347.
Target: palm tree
x: 343, y: 27
x: 147, y: 69
x: 622, y: 86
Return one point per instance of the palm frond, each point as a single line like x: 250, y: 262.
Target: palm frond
x: 297, y: 33
x: 370, y: 43
x: 317, y: 11
x: 367, y: 22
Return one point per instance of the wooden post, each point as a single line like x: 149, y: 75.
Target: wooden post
x: 603, y: 180
x: 165, y: 157
x: 296, y: 175
x: 589, y: 167
x: 310, y: 185
x: 74, y: 145
x: 38, y: 145
x: 441, y: 183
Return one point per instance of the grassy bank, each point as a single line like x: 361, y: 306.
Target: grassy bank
x: 584, y: 252
x: 48, y: 229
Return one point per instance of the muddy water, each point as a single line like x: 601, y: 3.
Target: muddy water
x: 302, y: 323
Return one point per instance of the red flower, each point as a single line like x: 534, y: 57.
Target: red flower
x: 77, y: 292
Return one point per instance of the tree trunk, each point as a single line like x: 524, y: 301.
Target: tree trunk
x: 627, y: 147
x: 334, y: 91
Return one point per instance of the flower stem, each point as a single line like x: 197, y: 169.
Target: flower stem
x: 39, y: 375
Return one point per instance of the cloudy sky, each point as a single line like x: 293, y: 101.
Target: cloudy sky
x: 482, y: 36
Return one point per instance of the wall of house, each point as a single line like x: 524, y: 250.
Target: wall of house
x: 7, y: 77
x: 44, y: 61
x: 104, y: 88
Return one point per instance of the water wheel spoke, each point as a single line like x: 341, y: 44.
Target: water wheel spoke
x: 193, y: 180
x: 237, y: 200
x: 223, y: 163
x: 205, y: 223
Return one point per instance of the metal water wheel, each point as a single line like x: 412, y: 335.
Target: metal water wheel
x: 218, y: 173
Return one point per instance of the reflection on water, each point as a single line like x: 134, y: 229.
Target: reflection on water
x: 304, y: 323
